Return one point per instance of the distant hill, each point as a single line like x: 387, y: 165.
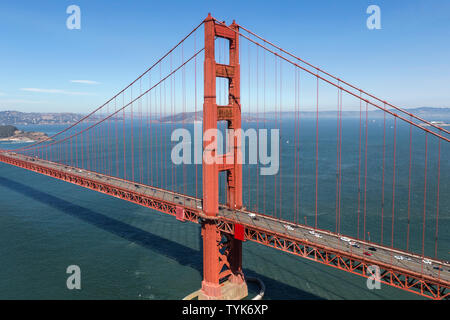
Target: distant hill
x: 187, y: 117
x: 427, y: 113
x: 22, y: 118
x: 7, y: 131
x: 11, y: 133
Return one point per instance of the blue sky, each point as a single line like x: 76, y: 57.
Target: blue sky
x: 406, y: 62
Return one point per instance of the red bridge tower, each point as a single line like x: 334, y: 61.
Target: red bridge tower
x: 222, y: 254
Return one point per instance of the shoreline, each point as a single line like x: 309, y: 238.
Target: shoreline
x: 18, y: 140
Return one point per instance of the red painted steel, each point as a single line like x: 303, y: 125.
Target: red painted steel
x: 180, y: 213
x: 210, y: 283
x: 213, y: 274
x: 239, y: 232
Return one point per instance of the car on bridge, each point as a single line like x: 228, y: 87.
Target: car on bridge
x: 354, y: 244
x: 288, y: 227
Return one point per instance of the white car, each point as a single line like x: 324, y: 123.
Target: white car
x: 252, y: 215
x: 399, y: 257
x: 288, y: 227
x: 318, y: 236
x: 426, y: 261
x: 345, y: 239
x: 312, y: 232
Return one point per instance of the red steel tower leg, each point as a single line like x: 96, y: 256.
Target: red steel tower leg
x: 222, y: 255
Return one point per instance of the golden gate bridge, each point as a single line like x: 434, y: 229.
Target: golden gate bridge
x: 230, y: 200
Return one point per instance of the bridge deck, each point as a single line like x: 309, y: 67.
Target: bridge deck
x: 383, y: 255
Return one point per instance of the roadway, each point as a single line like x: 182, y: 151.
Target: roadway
x: 382, y: 254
